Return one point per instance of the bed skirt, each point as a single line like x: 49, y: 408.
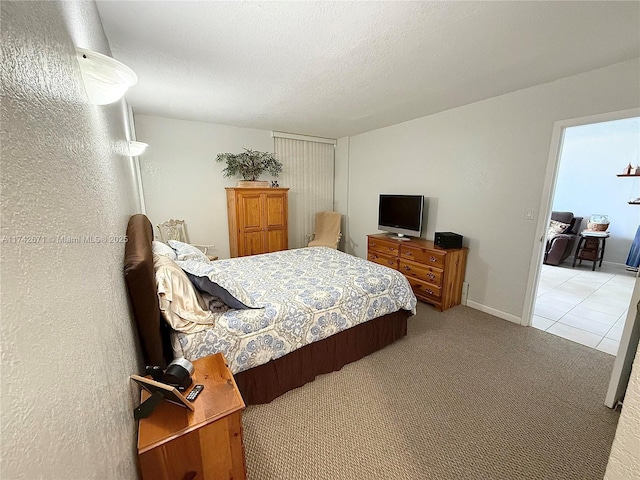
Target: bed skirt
x: 266, y: 382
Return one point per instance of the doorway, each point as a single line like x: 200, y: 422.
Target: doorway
x: 584, y: 304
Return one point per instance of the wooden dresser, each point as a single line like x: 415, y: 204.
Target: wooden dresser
x: 435, y: 274
x: 206, y: 444
x: 258, y: 220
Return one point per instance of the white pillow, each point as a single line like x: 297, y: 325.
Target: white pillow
x: 556, y: 228
x: 159, y: 248
x: 184, y: 251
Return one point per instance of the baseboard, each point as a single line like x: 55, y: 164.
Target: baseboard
x: 569, y: 263
x: 622, y: 265
x: 494, y: 312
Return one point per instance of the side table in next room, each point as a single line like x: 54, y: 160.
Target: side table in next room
x: 591, y: 247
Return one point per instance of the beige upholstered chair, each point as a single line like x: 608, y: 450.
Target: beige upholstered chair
x: 177, y: 230
x: 327, y: 230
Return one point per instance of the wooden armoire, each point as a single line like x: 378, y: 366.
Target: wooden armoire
x: 257, y: 220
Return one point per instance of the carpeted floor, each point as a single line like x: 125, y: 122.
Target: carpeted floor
x: 464, y: 396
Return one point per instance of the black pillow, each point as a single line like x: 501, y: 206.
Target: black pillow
x: 204, y: 284
x: 569, y: 229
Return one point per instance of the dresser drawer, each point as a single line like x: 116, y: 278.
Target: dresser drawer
x: 383, y: 246
x: 424, y: 289
x: 422, y: 255
x: 391, y: 262
x: 422, y: 272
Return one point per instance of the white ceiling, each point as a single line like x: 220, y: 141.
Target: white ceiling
x: 340, y: 68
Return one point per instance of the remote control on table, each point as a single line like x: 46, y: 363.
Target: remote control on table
x: 195, y: 391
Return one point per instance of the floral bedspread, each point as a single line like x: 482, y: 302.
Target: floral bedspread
x: 302, y: 295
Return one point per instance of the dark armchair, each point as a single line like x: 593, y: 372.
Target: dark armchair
x: 560, y: 245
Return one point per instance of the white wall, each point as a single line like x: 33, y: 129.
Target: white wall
x: 181, y: 179
x: 481, y: 165
x: 68, y: 342
x: 624, y: 461
x: 591, y: 157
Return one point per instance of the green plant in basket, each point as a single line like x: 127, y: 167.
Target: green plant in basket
x: 250, y: 164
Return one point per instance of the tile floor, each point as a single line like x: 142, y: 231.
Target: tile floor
x: 584, y: 306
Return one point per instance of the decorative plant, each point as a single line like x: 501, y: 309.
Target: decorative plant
x: 249, y: 164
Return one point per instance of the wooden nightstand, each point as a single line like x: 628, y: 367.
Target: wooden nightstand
x: 175, y: 443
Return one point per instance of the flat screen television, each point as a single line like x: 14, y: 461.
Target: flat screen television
x: 401, y: 214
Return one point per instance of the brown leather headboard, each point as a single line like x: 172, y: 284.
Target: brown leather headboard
x: 141, y: 284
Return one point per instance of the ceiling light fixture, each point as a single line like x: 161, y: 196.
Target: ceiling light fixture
x: 105, y: 79
x: 136, y: 148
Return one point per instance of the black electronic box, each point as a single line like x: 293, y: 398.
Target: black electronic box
x: 448, y: 240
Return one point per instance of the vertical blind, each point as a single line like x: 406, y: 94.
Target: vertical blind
x: 308, y: 171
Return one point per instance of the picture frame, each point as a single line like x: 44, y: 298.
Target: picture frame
x: 169, y: 393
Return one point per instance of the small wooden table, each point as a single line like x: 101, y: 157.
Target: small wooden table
x: 175, y: 443
x: 591, y: 247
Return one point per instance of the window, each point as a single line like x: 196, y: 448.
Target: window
x: 308, y: 171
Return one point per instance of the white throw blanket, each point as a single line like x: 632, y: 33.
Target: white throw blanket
x: 183, y: 307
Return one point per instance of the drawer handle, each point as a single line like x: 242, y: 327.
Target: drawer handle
x: 431, y: 276
x: 429, y: 291
x: 407, y: 268
x: 433, y: 259
x: 390, y: 262
x: 391, y: 249
x: 409, y: 254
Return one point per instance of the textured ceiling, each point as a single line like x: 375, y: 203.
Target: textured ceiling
x: 340, y: 68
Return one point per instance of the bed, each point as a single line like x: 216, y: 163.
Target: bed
x: 336, y: 339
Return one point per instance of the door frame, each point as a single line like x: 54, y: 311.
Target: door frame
x: 548, y: 192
